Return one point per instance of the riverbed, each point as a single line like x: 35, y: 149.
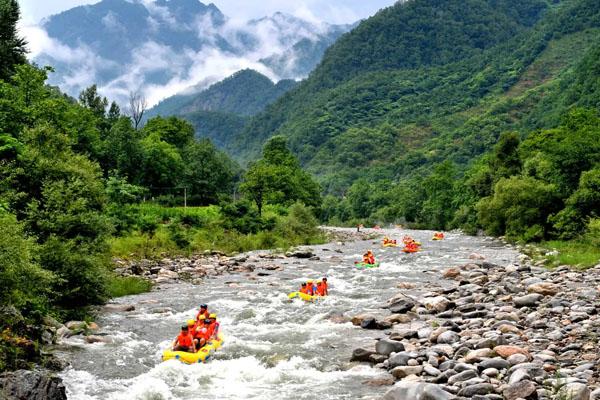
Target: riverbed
x: 274, y: 348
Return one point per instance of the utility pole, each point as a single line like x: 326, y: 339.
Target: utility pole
x: 184, y: 197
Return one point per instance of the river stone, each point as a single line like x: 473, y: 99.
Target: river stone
x: 300, y: 253
x: 479, y: 388
x: 387, y: 346
x: 518, y: 376
x: 401, y: 306
x: 97, y: 339
x: 358, y: 319
x: 402, y: 334
x: 31, y: 385
x: 451, y: 273
x: 507, y: 351
x: 438, y: 303
x: 497, y: 363
x: 402, y: 372
x: 361, y: 354
x: 463, y: 376
x: 517, y: 359
x: 417, y: 391
x: 400, y: 359
x: 529, y: 300
x: 521, y: 390
x: 448, y: 337
x: 76, y: 325
x: 574, y: 391
x: 476, y: 355
x: 544, y: 288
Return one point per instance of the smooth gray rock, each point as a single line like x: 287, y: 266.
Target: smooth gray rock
x: 387, y: 346
x: 479, y: 388
x: 497, y: 362
x: 529, y: 300
x: 401, y: 306
x: 448, y: 337
x: 31, y: 385
x: 417, y: 391
x: 463, y: 376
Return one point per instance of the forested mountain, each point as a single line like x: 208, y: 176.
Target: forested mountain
x: 427, y: 84
x: 245, y: 93
x: 223, y: 109
x: 126, y: 45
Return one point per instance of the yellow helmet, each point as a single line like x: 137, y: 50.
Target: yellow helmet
x: 191, y: 322
x: 213, y: 315
x: 310, y: 281
x: 319, y: 282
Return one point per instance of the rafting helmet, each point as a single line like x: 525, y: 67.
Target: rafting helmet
x: 191, y: 322
x: 203, y: 306
x: 212, y: 316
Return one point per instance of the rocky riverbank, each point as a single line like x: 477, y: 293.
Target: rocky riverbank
x: 196, y: 268
x: 491, y: 332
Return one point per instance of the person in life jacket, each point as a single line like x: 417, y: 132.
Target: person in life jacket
x: 311, y: 288
x: 203, y: 313
x: 199, y: 334
x: 304, y: 288
x: 369, y: 258
x: 322, y: 289
x: 185, y: 341
x: 213, y: 326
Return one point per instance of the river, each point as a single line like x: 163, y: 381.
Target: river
x: 274, y: 348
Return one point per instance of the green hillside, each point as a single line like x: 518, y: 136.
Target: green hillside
x: 401, y: 119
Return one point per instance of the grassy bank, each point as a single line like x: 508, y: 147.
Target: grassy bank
x: 576, y: 253
x: 171, y: 232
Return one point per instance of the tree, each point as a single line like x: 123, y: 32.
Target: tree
x: 438, y: 210
x: 173, y: 130
x: 137, y: 108
x: 90, y: 99
x: 519, y: 208
x: 162, y: 165
x: 12, y: 46
x: 278, y: 179
x: 209, y: 174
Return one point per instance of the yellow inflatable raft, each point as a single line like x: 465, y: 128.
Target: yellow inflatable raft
x: 303, y: 296
x: 201, y: 356
x: 390, y: 245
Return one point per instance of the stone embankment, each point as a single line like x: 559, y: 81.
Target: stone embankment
x: 491, y: 332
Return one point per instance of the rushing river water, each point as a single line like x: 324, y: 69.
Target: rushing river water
x: 274, y: 348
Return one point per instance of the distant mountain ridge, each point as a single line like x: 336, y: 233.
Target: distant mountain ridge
x: 224, y: 108
x: 166, y: 45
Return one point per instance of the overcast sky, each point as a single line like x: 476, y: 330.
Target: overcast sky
x: 333, y: 11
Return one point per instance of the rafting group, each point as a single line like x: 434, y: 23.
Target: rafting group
x: 198, y: 338
x: 311, y: 290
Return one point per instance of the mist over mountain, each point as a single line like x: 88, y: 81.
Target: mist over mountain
x: 166, y: 46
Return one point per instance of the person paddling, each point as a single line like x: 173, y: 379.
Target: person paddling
x: 369, y: 258
x: 185, y: 341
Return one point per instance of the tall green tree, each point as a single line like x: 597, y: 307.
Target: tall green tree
x: 277, y: 178
x: 12, y: 46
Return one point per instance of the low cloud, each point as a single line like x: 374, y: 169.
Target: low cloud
x: 160, y: 71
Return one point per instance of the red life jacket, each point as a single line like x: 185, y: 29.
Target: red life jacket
x: 185, y: 339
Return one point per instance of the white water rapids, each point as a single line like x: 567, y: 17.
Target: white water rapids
x: 274, y: 348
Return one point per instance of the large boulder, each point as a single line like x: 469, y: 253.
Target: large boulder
x: 417, y: 391
x: 31, y: 385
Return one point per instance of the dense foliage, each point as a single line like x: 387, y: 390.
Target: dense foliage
x: 72, y: 175
x: 406, y: 118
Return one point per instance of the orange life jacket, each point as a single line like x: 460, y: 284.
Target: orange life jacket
x: 202, y: 315
x: 304, y: 289
x: 185, y: 339
x: 198, y: 330
x: 322, y: 289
